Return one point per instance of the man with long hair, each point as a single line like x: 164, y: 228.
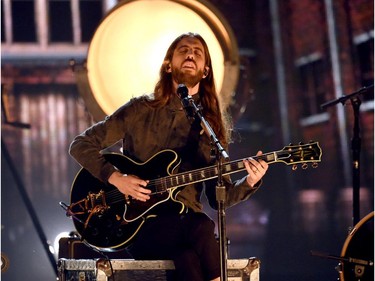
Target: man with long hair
x: 153, y: 123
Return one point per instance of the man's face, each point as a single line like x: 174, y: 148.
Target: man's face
x: 188, y: 62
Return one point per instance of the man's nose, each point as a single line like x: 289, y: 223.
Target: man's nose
x: 190, y: 54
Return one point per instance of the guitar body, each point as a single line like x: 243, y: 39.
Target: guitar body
x: 102, y: 215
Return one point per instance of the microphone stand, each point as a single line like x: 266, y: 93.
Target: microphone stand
x: 356, y: 143
x: 221, y: 154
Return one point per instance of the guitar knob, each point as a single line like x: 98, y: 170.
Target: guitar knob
x: 294, y: 167
x: 314, y: 165
x: 304, y: 166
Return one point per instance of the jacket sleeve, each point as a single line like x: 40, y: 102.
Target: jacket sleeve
x: 86, y: 148
x: 235, y: 192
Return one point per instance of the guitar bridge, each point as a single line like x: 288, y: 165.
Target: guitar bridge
x: 98, y: 205
x: 97, y: 201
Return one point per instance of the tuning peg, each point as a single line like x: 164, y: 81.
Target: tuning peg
x: 294, y: 167
x: 304, y: 166
x: 314, y: 165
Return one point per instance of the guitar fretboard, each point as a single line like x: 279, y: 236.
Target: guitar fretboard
x: 208, y: 173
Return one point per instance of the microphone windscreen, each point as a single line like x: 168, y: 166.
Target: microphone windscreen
x: 182, y: 91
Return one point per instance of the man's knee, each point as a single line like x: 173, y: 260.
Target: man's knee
x: 202, y: 225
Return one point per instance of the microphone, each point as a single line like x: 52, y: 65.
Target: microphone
x: 186, y: 101
x: 182, y: 91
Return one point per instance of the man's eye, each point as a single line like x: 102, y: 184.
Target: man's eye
x: 184, y: 50
x: 198, y: 53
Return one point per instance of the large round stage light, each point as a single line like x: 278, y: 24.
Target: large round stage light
x: 128, y: 47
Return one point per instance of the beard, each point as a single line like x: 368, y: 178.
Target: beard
x: 185, y: 78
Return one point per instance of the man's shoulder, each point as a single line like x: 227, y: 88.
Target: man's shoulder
x: 145, y: 98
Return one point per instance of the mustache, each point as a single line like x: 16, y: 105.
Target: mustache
x: 189, y: 60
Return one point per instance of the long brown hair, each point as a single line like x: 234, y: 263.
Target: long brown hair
x: 163, y: 91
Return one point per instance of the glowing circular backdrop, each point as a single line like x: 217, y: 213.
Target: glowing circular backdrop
x: 128, y: 48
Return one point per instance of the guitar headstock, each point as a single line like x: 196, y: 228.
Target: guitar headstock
x: 301, y: 153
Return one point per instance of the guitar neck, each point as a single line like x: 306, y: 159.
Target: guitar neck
x: 239, y: 166
x: 211, y: 172
x: 289, y: 155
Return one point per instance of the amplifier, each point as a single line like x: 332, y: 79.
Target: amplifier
x: 142, y: 270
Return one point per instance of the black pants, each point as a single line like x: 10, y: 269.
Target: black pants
x: 188, y: 240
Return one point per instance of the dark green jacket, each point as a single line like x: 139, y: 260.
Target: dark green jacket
x: 146, y: 130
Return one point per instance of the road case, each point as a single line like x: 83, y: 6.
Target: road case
x: 142, y: 270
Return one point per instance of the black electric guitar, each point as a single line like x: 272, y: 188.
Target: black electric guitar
x: 108, y: 220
